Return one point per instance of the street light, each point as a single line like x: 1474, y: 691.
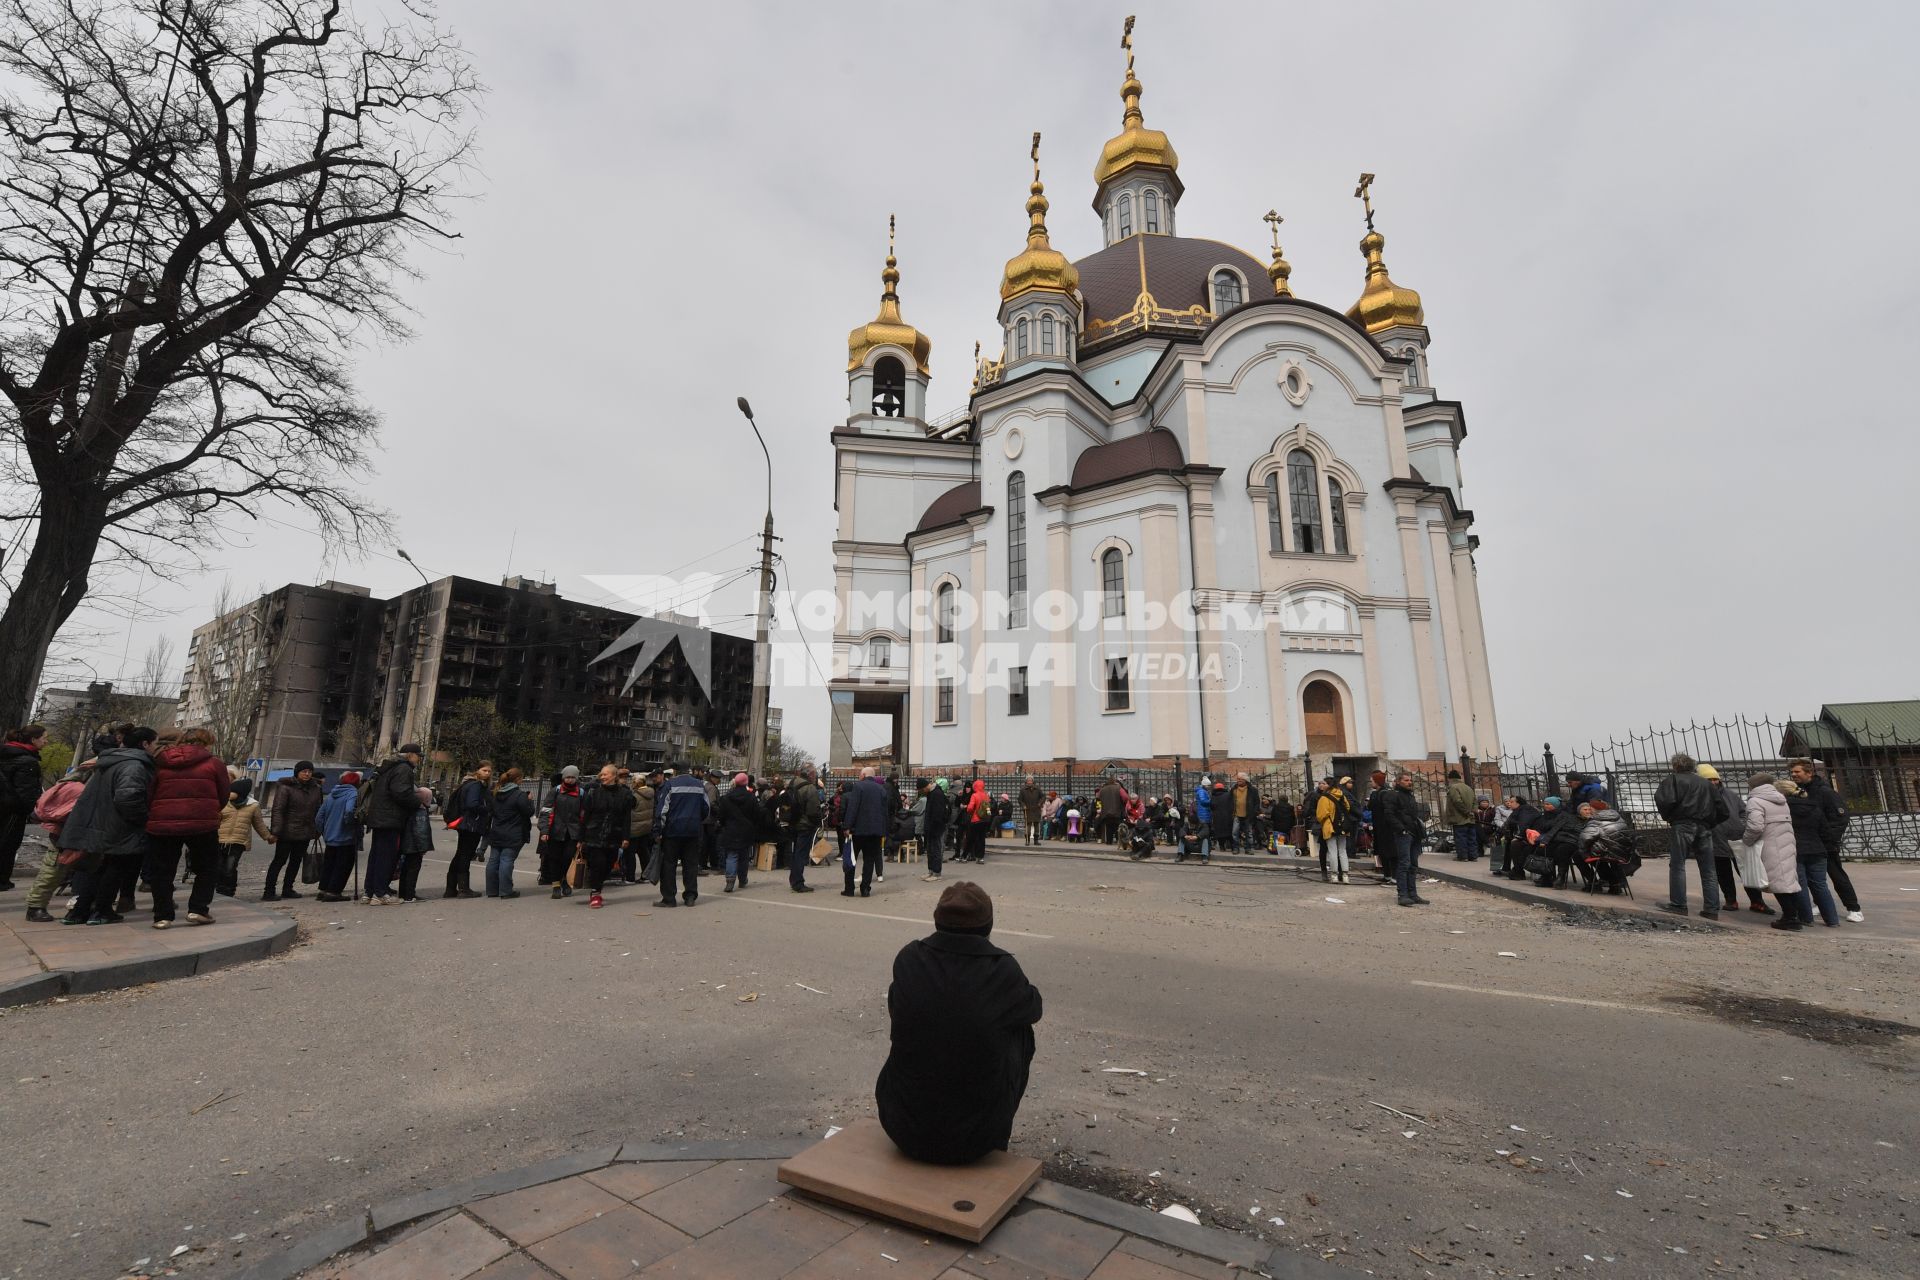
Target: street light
x: 762, y: 650
x: 413, y: 702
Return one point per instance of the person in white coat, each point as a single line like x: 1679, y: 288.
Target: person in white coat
x: 1770, y: 826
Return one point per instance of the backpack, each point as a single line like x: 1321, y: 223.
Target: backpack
x: 364, y: 800
x: 1342, y: 810
x: 58, y: 801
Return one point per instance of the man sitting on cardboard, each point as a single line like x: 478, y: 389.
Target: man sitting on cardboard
x: 963, y: 1016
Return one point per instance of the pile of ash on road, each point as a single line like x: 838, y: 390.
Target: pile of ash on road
x: 1074, y: 1170
x: 1796, y: 1017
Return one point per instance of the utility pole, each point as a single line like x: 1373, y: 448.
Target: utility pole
x: 762, y: 646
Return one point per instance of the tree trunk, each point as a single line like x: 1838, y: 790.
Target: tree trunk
x: 51, y: 587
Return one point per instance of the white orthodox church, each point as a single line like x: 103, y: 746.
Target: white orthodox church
x: 1252, y: 501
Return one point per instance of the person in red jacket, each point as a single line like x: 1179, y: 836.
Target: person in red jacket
x: 189, y: 789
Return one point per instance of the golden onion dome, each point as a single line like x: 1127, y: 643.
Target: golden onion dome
x: 1040, y: 265
x: 1135, y: 145
x: 888, y: 329
x: 1384, y: 304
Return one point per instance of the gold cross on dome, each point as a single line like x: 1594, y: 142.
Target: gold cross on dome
x: 1273, y: 220
x: 1366, y: 200
x: 1035, y: 153
x: 1126, y: 42
x: 889, y: 235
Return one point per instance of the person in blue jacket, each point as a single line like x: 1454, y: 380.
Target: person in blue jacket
x: 341, y: 836
x: 680, y: 821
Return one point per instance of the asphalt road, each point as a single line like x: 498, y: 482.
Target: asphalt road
x: 1567, y: 1114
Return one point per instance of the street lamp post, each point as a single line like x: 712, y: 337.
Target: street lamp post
x: 762, y: 649
x: 413, y: 678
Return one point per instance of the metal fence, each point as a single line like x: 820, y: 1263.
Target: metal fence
x: 1876, y: 773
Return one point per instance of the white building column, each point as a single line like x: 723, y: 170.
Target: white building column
x: 977, y: 668
x: 1420, y: 616
x: 1066, y: 668
x: 1447, y: 602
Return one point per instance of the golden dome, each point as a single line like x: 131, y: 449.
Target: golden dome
x: 1041, y: 266
x: 1135, y: 145
x: 887, y: 329
x: 1384, y: 304
x: 1280, y: 269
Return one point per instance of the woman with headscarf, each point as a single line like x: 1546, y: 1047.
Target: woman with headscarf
x: 1769, y: 829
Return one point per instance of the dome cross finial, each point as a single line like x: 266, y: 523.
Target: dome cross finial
x: 1363, y: 193
x: 1280, y: 268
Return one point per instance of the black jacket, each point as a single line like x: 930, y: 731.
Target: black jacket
x: 512, y: 823
x: 1397, y: 812
x: 939, y: 811
x: 1809, y: 827
x: 1518, y: 820
x: 391, y: 798
x: 604, y: 816
x: 111, y: 815
x: 19, y: 780
x: 743, y: 819
x: 1686, y: 797
x: 963, y: 1015
x: 1833, y: 814
x: 1731, y: 822
x: 563, y: 813
x: 473, y: 807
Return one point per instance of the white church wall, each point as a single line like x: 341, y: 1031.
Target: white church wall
x: 1249, y: 703
x: 1118, y: 377
x: 1406, y: 729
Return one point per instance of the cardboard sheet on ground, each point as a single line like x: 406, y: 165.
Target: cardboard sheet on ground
x: 861, y: 1168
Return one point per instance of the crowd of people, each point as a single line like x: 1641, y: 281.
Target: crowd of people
x: 146, y: 806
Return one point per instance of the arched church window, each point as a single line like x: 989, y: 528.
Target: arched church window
x: 1017, y: 549
x: 1276, y: 533
x: 1226, y: 292
x: 943, y: 614
x: 1303, y: 489
x: 1126, y: 216
x: 1046, y: 334
x: 1326, y: 726
x: 1152, y: 202
x: 879, y: 651
x: 1337, y: 515
x: 1020, y: 338
x: 889, y: 387
x: 1113, y: 584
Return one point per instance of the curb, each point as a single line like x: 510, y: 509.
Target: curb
x: 1572, y: 906
x: 1240, y: 1252
x: 90, y: 979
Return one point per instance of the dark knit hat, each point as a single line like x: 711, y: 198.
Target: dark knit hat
x: 410, y: 749
x: 964, y: 906
x: 304, y: 766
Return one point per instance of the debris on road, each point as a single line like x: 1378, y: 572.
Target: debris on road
x: 748, y: 998
x: 1123, y: 1071
x: 1408, y: 1116
x: 214, y: 1101
x: 1181, y: 1213
x: 804, y: 987
x: 1338, y: 902
x: 1511, y: 955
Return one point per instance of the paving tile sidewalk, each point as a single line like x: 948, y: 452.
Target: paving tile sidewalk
x: 716, y: 1210
x: 41, y: 961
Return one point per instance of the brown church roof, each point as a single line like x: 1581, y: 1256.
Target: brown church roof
x: 958, y: 501
x: 1153, y: 450
x: 1172, y: 269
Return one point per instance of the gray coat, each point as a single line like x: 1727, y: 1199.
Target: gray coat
x: 111, y: 815
x: 1770, y: 825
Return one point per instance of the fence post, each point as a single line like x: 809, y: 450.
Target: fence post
x: 1179, y: 786
x: 1466, y: 767
x: 1306, y: 763
x: 1553, y: 774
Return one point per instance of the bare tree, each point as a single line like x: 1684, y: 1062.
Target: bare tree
x: 203, y: 205
x: 353, y: 740
x: 231, y: 670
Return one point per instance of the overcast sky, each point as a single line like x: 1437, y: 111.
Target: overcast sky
x: 1666, y: 254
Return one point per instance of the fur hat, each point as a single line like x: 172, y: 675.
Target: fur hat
x: 964, y: 906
